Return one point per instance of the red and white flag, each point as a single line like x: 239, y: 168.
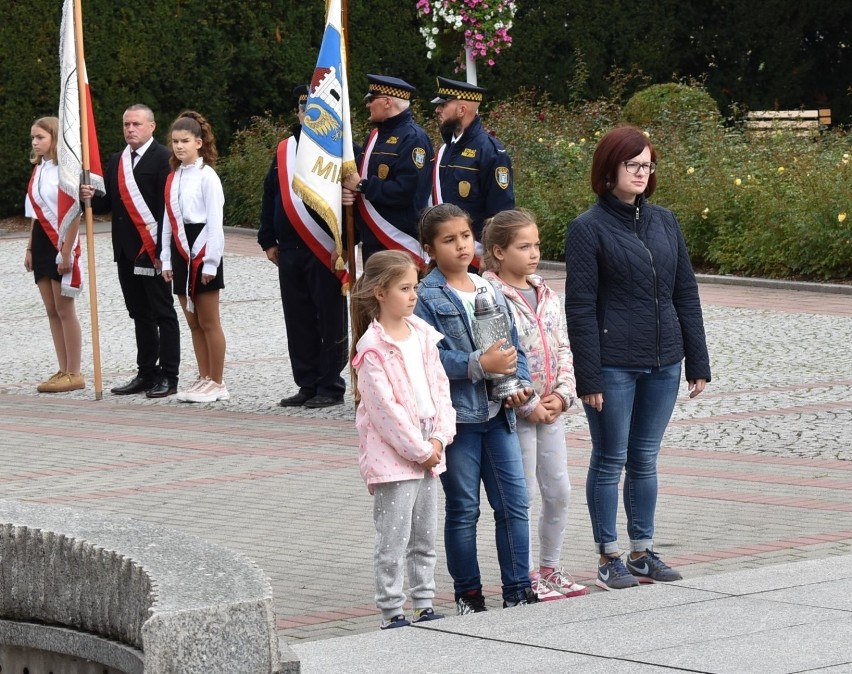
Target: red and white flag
x: 69, y: 148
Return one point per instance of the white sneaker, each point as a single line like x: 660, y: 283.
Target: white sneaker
x: 561, y: 581
x: 209, y: 392
x: 198, y: 382
x: 544, y: 591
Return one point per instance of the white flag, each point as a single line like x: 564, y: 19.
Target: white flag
x: 69, y: 146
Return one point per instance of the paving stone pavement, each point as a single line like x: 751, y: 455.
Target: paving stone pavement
x: 754, y: 472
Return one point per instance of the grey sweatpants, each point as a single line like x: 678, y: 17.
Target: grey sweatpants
x: 545, y: 457
x: 406, y: 517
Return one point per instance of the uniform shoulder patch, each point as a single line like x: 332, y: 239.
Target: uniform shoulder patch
x: 418, y: 156
x: 469, y: 152
x: 501, y: 175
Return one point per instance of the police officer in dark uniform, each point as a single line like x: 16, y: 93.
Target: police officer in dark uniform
x: 474, y: 171
x: 315, y: 309
x: 393, y: 178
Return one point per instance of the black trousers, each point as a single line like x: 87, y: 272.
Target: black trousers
x: 317, y: 320
x: 150, y: 303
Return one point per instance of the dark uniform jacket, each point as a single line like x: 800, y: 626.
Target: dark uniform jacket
x: 631, y: 299
x: 275, y: 227
x: 476, y: 174
x: 151, y: 171
x: 398, y: 176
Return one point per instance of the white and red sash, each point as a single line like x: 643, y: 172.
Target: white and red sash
x: 315, y: 237
x: 194, y: 256
x: 438, y: 198
x: 140, y: 215
x: 72, y: 281
x: 390, y: 236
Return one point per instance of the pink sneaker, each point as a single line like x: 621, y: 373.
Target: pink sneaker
x: 563, y: 583
x: 209, y: 392
x: 198, y: 383
x: 544, y: 591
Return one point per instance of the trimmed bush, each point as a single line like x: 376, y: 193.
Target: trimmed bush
x: 680, y: 105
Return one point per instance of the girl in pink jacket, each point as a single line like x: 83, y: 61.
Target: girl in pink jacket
x: 511, y: 255
x: 405, y: 419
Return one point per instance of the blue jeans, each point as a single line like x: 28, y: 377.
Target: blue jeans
x: 626, y: 433
x: 489, y: 452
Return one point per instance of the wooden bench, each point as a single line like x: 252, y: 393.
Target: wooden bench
x: 801, y: 122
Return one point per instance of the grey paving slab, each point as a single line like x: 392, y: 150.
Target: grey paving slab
x: 797, y: 648
x: 806, y: 573
x: 523, y: 624
x: 642, y: 630
x: 836, y: 594
x: 416, y: 650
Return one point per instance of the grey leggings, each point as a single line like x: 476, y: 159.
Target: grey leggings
x: 406, y: 517
x: 545, y: 457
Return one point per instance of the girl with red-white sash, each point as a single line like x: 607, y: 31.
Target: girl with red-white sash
x: 192, y: 249
x: 53, y: 257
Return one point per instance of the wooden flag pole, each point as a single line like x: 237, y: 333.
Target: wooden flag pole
x: 90, y: 234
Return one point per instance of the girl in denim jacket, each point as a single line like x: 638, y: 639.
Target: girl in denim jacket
x: 486, y: 446
x: 512, y: 254
x: 405, y: 418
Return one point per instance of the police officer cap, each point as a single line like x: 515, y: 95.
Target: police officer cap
x: 451, y: 90
x: 300, y: 93
x: 379, y: 85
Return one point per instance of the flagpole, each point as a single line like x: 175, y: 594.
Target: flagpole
x: 90, y: 238
x: 349, y: 210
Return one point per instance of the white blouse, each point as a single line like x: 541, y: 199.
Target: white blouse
x: 46, y: 186
x: 201, y: 201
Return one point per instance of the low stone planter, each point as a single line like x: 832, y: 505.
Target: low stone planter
x: 131, y: 596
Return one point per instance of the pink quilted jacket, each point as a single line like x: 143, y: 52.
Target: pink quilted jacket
x: 390, y: 442
x: 544, y: 338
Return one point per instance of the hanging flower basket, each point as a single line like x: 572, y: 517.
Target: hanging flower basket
x: 484, y: 24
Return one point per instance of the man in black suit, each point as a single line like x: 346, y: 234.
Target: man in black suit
x: 135, y: 182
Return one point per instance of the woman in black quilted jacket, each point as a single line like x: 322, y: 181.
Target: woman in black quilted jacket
x: 633, y: 317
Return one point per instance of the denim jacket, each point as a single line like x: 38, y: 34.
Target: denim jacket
x: 439, y: 306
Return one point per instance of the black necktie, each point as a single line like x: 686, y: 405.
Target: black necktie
x: 133, y: 155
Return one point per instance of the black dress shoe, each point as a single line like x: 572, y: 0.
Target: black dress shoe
x: 295, y: 401
x: 136, y: 385
x: 162, y: 389
x: 322, y: 401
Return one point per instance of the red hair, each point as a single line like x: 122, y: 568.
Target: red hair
x: 617, y: 146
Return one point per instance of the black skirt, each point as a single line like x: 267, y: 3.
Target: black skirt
x: 180, y: 271
x: 44, y: 255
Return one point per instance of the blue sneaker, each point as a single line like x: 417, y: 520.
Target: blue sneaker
x: 613, y: 575
x: 422, y: 615
x: 397, y: 621
x: 649, y: 568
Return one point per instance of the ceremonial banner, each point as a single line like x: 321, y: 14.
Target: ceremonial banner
x: 69, y: 146
x: 325, y: 155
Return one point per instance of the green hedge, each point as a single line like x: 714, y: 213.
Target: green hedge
x: 767, y: 205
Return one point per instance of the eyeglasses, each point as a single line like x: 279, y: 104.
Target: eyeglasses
x: 634, y: 166
x: 372, y: 98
